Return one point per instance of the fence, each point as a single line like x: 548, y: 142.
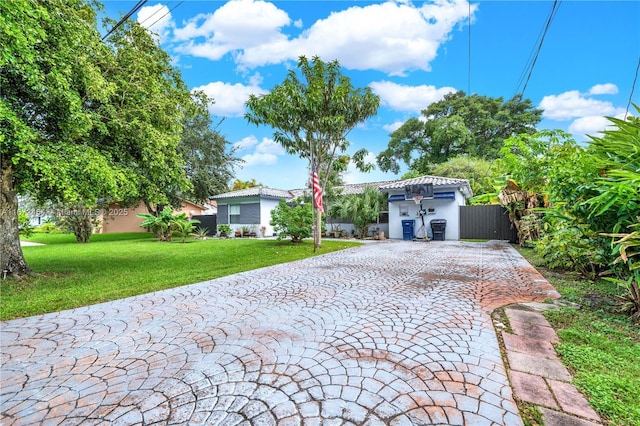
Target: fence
x: 207, y: 221
x: 486, y: 223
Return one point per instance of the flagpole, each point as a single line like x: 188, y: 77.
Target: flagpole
x: 313, y: 208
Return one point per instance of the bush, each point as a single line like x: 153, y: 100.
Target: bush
x: 295, y: 222
x: 24, y: 225
x: 569, y: 247
x: 224, y: 230
x: 48, y: 228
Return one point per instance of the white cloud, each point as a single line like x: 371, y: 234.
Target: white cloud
x: 229, y: 98
x: 266, y: 151
x: 255, y: 80
x: 245, y: 143
x: 573, y: 104
x: 156, y: 19
x: 258, y: 158
x: 390, y: 37
x: 393, y: 37
x: 591, y: 125
x: 269, y: 146
x: 393, y: 126
x: 235, y: 26
x: 604, y: 89
x: 400, y: 97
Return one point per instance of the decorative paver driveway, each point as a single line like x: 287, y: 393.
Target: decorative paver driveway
x: 387, y: 333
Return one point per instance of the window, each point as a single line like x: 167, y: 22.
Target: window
x: 234, y: 213
x: 404, y: 209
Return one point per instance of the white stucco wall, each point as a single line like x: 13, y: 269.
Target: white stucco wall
x: 266, y: 205
x: 443, y: 209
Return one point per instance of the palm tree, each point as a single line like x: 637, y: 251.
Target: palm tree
x: 362, y: 210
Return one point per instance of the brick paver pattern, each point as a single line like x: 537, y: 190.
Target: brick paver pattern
x: 389, y: 333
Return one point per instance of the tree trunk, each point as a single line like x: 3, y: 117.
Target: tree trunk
x: 12, y: 261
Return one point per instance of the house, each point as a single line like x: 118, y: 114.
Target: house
x: 443, y: 203
x: 117, y: 218
x: 252, y: 206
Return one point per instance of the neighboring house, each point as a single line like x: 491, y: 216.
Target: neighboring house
x: 117, y: 218
x: 210, y: 208
x: 252, y: 207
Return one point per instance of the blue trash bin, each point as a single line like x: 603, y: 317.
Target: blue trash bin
x: 407, y: 229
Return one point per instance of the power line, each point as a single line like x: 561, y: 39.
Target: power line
x: 552, y: 14
x: 633, y: 86
x: 125, y: 17
x: 170, y: 10
x: 153, y: 14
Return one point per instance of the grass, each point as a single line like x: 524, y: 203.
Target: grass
x: 115, y: 266
x: 599, y: 344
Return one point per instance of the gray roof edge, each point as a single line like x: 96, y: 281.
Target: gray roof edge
x: 384, y: 186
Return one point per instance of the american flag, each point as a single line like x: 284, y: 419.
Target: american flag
x: 317, y: 190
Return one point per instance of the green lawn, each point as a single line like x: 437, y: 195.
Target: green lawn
x: 599, y: 344
x: 114, y: 266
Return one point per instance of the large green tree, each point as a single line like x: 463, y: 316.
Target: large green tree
x: 313, y: 115
x: 209, y: 161
x: 50, y: 75
x: 143, y: 120
x: 458, y: 125
x: 478, y: 171
x: 82, y: 120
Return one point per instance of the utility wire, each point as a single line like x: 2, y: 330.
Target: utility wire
x: 552, y: 14
x: 153, y: 14
x: 633, y: 86
x: 125, y: 17
x: 170, y: 10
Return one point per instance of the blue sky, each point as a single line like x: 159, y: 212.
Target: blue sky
x: 409, y: 53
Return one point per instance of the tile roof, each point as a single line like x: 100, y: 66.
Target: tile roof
x: 358, y: 188
x: 435, y: 180
x: 348, y: 189
x: 256, y: 191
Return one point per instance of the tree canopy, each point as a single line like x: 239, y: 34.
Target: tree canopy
x: 82, y: 120
x: 313, y: 116
x: 143, y: 120
x: 240, y: 184
x: 209, y: 160
x: 458, y: 125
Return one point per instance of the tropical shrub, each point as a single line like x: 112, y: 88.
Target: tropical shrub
x: 159, y: 225
x: 184, y: 227
x: 293, y: 221
x: 567, y: 245
x: 615, y: 210
x: 166, y: 224
x: 224, y: 230
x: 201, y: 232
x: 362, y: 210
x: 627, y: 246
